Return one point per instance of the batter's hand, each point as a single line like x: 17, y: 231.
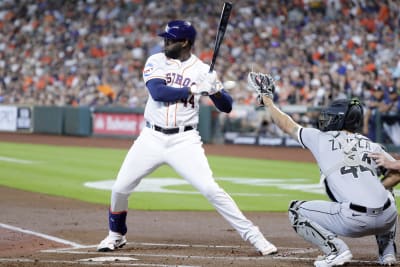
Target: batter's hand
x: 207, y: 85
x: 262, y: 83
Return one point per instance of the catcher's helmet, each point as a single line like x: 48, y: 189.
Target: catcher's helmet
x: 342, y: 114
x: 179, y: 30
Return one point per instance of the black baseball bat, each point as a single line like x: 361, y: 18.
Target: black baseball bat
x: 223, y: 23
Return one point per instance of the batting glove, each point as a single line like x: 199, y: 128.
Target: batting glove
x: 206, y: 85
x: 263, y: 84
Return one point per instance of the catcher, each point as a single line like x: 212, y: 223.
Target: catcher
x: 360, y: 205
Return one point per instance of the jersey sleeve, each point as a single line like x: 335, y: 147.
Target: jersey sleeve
x: 153, y: 68
x: 308, y: 138
x: 223, y: 102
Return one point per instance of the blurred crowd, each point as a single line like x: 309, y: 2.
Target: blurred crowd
x: 91, y: 53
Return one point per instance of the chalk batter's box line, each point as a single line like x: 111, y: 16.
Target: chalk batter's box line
x: 58, y: 262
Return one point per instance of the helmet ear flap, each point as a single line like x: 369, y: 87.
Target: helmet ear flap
x: 354, y: 118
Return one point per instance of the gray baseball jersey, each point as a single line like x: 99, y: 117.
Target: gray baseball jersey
x: 351, y: 176
x: 361, y: 205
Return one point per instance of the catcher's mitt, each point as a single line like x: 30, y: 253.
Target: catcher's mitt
x: 262, y: 83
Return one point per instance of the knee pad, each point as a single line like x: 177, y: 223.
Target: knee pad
x: 294, y: 206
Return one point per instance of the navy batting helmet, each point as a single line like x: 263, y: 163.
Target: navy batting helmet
x: 179, y: 30
x: 342, y: 114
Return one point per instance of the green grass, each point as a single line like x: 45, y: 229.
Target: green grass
x: 62, y: 171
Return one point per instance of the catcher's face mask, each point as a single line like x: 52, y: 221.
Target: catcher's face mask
x: 328, y: 120
x: 333, y: 118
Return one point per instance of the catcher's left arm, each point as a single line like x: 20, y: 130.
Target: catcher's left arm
x: 264, y: 85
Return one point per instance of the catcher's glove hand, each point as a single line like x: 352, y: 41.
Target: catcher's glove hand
x: 262, y: 83
x: 259, y: 101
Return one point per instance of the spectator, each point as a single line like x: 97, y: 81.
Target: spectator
x: 69, y: 47
x: 268, y: 129
x: 375, y: 106
x: 393, y: 101
x: 391, y: 123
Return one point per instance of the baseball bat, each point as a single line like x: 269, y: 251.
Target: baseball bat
x: 223, y: 23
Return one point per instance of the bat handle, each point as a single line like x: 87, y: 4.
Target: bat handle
x: 211, y: 68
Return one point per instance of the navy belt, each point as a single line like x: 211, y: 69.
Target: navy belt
x: 168, y: 130
x: 363, y: 209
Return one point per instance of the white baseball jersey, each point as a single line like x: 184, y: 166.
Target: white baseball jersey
x: 176, y: 74
x: 181, y: 150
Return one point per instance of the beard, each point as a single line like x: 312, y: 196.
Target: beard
x: 173, y: 51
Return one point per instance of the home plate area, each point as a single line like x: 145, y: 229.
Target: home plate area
x: 169, y: 254
x: 49, y: 231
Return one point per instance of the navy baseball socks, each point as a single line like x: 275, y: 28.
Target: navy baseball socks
x: 116, y: 235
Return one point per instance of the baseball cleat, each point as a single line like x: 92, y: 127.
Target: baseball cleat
x: 263, y: 246
x: 111, y: 243
x: 268, y: 250
x: 334, y: 259
x: 387, y: 260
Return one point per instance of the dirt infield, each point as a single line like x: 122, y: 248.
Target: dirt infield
x: 40, y: 230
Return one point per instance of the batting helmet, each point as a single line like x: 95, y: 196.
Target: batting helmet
x: 179, y: 30
x: 342, y: 114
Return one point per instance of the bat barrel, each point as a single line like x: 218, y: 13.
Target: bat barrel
x: 223, y: 23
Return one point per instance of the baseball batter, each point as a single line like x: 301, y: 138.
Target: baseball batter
x: 360, y: 204
x: 176, y: 79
